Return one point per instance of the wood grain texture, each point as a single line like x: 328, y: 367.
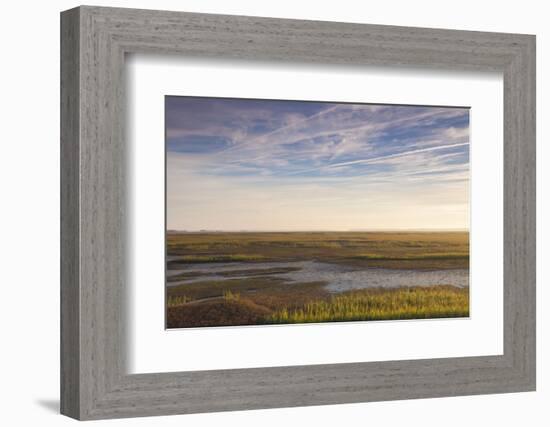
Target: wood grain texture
x: 94, y: 382
x: 70, y: 297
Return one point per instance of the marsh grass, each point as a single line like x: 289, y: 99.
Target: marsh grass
x: 231, y: 296
x: 257, y: 295
x: 408, y: 303
x: 318, y: 306
x: 217, y: 288
x: 371, y: 249
x: 176, y: 301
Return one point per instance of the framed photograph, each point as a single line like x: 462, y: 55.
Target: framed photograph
x: 284, y: 212
x: 262, y: 213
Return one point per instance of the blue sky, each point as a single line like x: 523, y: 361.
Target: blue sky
x: 237, y: 164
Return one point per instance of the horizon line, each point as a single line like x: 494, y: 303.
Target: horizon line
x: 172, y: 230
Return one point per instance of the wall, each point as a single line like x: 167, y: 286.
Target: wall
x: 29, y: 168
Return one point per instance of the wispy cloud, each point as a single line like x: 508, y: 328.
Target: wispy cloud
x: 245, y: 164
x: 387, y: 157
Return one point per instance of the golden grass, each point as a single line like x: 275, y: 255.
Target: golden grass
x: 389, y: 304
x: 231, y: 308
x: 176, y: 301
x: 231, y: 296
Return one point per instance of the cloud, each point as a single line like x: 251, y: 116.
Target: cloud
x: 387, y: 157
x: 256, y: 164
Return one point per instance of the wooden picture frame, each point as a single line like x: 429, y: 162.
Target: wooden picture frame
x: 94, y: 381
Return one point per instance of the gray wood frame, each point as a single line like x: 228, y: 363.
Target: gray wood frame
x: 94, y: 382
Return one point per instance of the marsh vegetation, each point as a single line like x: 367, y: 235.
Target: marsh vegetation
x: 220, y: 279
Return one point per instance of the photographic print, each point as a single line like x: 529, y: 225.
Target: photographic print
x: 285, y: 212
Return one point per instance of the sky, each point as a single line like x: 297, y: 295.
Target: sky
x: 277, y: 165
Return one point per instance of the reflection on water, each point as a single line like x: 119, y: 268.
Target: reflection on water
x: 338, y: 277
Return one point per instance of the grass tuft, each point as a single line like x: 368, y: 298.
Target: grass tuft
x: 390, y: 304
x: 230, y: 296
x: 178, y: 300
